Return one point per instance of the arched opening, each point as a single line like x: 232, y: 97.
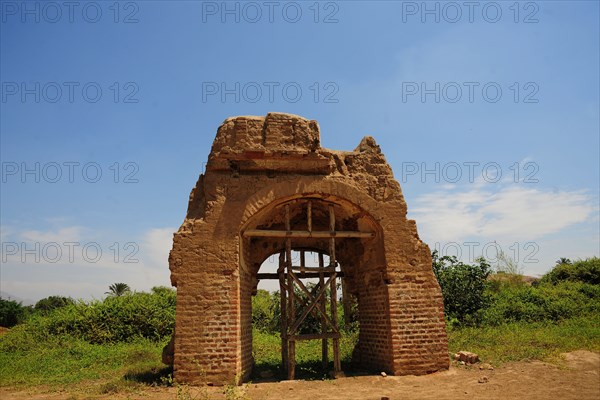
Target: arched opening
x: 315, y: 348
x: 348, y: 245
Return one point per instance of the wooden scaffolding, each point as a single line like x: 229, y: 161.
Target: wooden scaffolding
x: 297, y: 299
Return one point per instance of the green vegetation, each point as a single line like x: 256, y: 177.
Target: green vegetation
x: 11, y: 313
x: 114, y: 344
x: 585, y: 271
x: 116, y: 341
x: 114, y: 319
x: 511, y: 301
x: 61, y: 361
x: 51, y: 303
x: 118, y: 289
x: 463, y: 287
x: 267, y: 354
x: 517, y: 341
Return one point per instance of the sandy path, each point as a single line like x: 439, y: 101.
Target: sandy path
x: 578, y: 378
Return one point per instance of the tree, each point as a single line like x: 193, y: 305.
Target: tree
x: 563, y: 260
x: 118, y: 289
x: 163, y: 290
x: 11, y: 313
x: 507, y: 265
x: 52, y: 302
x: 265, y: 316
x: 586, y: 271
x: 463, y: 286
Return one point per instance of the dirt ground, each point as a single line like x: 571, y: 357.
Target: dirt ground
x: 576, y: 377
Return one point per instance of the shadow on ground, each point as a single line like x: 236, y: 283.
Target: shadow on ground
x: 308, y: 371
x: 154, y: 376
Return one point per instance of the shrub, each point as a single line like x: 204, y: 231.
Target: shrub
x: 265, y: 311
x: 463, y: 287
x: 587, y: 271
x: 11, y: 313
x: 51, y: 303
x: 115, y: 319
x: 513, y: 303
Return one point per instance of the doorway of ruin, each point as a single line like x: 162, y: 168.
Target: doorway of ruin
x: 347, y: 242
x: 317, y: 330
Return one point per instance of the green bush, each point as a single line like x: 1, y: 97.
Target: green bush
x: 520, y: 302
x: 586, y: 271
x: 11, y: 313
x: 50, y: 303
x: 265, y: 311
x: 114, y: 319
x: 463, y: 287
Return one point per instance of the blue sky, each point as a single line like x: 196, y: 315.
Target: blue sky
x: 488, y: 115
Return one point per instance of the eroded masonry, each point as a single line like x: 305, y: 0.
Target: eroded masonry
x: 270, y: 189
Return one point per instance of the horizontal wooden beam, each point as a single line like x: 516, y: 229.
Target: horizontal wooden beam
x: 307, y: 234
x: 313, y: 269
x: 268, y: 275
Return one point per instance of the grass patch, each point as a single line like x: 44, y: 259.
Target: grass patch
x: 267, y: 355
x: 64, y: 361
x: 527, y: 340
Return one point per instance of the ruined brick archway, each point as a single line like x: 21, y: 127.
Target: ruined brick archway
x: 256, y: 165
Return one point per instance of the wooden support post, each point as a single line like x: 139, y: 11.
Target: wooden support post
x: 291, y: 297
x: 283, y: 308
x: 309, y: 216
x: 337, y: 367
x: 332, y: 238
x: 302, y: 263
x: 324, y: 355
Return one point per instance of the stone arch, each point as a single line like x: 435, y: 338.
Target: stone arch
x: 256, y: 163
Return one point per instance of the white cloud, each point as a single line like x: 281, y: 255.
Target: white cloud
x: 5, y: 232
x: 155, y: 247
x: 66, y: 234
x: 142, y: 263
x: 533, y: 226
x: 511, y: 213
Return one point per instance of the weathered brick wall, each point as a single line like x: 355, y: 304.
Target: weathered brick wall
x: 374, y: 349
x: 255, y: 164
x: 247, y: 282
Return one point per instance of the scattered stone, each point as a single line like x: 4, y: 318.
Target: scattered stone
x: 461, y: 362
x: 483, y: 379
x: 486, y: 366
x: 467, y: 357
x: 383, y: 374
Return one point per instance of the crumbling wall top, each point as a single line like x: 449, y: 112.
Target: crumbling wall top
x: 276, y: 132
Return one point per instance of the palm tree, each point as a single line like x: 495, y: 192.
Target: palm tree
x: 563, y: 260
x: 118, y: 289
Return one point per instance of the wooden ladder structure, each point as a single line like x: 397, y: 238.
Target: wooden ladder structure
x: 311, y: 302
